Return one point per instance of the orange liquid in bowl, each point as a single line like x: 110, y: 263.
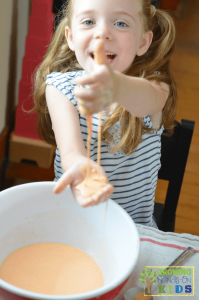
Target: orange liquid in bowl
x: 53, y: 269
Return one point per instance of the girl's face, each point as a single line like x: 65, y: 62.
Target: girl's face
x: 117, y: 22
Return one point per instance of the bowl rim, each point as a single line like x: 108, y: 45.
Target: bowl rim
x: 92, y: 294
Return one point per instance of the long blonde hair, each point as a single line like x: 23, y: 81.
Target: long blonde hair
x: 59, y: 58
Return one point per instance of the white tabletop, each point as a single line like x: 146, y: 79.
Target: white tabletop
x: 160, y: 249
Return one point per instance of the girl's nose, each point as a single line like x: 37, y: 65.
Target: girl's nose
x: 103, y: 32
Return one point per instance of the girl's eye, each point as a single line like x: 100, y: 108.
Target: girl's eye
x: 122, y: 24
x: 88, y: 22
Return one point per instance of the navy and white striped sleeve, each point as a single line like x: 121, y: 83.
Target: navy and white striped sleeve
x: 64, y: 82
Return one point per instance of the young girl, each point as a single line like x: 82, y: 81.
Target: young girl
x: 133, y: 88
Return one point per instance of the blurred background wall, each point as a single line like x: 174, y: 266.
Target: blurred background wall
x: 14, y: 17
x: 5, y: 34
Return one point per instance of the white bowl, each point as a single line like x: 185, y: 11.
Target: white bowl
x: 32, y: 213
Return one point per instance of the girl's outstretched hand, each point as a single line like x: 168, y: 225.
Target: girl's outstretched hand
x: 103, y: 82
x: 74, y: 177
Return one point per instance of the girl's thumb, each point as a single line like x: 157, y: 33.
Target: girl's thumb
x: 62, y: 183
x: 100, y: 54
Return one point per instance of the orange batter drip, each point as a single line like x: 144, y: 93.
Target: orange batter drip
x: 141, y: 296
x: 93, y: 182
x: 53, y: 269
x: 99, y: 143
x: 89, y: 122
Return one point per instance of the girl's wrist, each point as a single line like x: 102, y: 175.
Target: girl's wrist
x: 71, y: 158
x: 119, y: 86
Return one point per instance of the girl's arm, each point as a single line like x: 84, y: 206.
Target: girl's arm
x: 65, y: 120
x: 137, y: 95
x: 141, y: 97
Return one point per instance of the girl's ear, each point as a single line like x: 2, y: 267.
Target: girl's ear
x: 69, y: 37
x: 145, y: 43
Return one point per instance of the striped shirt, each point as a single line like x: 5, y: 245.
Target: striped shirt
x: 133, y: 176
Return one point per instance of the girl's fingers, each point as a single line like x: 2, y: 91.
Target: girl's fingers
x: 89, y: 108
x: 92, y: 98
x: 102, y: 195
x: 87, y: 80
x: 95, y: 85
x: 88, y: 94
x: 96, y: 199
x: 101, y: 60
x: 62, y: 183
x: 98, y: 76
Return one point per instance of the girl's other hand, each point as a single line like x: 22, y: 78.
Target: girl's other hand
x: 103, y: 82
x: 74, y: 177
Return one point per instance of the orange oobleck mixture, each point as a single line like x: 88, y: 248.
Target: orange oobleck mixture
x: 52, y: 268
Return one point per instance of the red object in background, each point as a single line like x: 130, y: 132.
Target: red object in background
x: 6, y: 295
x: 41, y: 25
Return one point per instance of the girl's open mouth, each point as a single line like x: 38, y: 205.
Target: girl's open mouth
x: 110, y: 56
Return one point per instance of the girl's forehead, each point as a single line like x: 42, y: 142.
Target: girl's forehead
x: 132, y: 6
